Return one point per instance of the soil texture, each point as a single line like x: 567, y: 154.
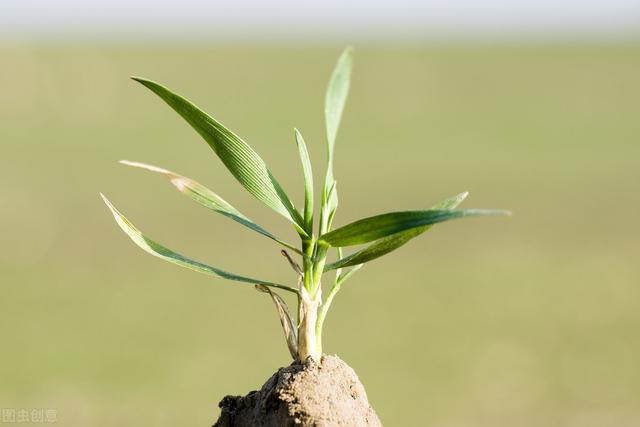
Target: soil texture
x: 312, y: 394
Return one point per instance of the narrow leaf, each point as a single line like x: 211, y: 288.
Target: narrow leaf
x: 161, y: 252
x: 340, y: 252
x: 239, y: 158
x: 345, y: 276
x: 388, y: 244
x: 336, y: 97
x: 379, y: 226
x: 335, y: 100
x: 332, y: 203
x: 207, y: 198
x: 308, y: 182
x: 288, y: 326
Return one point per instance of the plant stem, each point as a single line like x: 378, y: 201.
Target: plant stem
x: 320, y: 257
x: 308, y: 247
x: 322, y: 314
x: 310, y: 299
x: 307, y: 340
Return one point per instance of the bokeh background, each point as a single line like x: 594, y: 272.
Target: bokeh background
x: 532, y: 320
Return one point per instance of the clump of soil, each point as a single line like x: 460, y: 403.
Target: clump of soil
x: 322, y: 394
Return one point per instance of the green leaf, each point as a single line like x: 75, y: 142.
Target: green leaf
x: 308, y: 182
x: 207, y: 198
x: 241, y: 160
x: 335, y: 100
x: 336, y: 97
x: 369, y: 229
x: 346, y: 275
x: 388, y: 244
x: 332, y: 203
x: 161, y: 252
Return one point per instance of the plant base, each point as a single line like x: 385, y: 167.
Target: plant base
x: 319, y: 394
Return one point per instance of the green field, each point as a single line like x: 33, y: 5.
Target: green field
x: 532, y: 320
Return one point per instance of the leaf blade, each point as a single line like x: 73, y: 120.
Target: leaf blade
x: 239, y: 158
x: 209, y: 199
x: 388, y: 244
x: 335, y: 100
x: 372, y: 228
x: 166, y: 254
x: 345, y: 276
x: 308, y: 181
x: 336, y: 96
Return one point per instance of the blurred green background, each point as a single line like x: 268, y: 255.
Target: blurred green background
x: 531, y: 320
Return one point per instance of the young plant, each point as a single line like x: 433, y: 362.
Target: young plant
x: 380, y: 233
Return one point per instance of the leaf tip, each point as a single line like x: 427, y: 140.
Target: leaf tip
x: 146, y: 166
x: 346, y: 59
x: 145, y: 82
x: 498, y: 212
x: 261, y: 288
x: 120, y: 219
x: 108, y: 203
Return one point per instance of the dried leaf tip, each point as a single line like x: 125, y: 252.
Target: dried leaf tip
x: 104, y: 199
x: 146, y: 166
x: 112, y: 208
x: 292, y: 263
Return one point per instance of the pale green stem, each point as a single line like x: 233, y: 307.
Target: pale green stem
x: 324, y: 309
x: 307, y: 341
x: 308, y: 302
x: 322, y: 314
x: 318, y: 268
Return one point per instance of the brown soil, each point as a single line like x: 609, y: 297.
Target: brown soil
x: 322, y: 394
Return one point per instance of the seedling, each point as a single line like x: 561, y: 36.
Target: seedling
x: 381, y: 233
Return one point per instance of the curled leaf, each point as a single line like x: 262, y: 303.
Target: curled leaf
x: 288, y: 325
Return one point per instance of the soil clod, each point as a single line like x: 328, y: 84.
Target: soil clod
x: 312, y: 394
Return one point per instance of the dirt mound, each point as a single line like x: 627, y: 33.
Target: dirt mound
x: 322, y: 394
